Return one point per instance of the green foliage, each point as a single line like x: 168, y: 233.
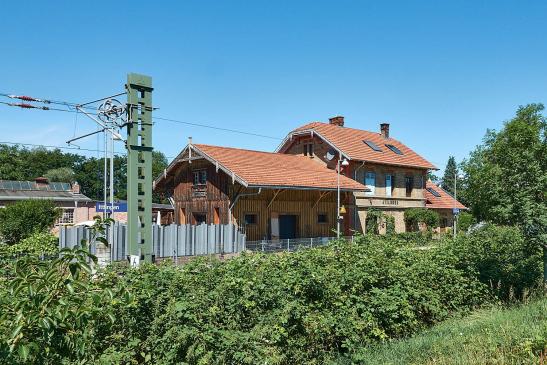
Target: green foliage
x: 61, y: 174
x: 308, y: 306
x: 295, y: 308
x: 38, y: 244
x: 390, y: 224
x: 17, y: 163
x: 517, y: 335
x: 464, y: 221
x: 506, y: 177
x: 450, y: 174
x: 20, y: 220
x: 501, y: 256
x: 54, y: 311
x: 416, y: 216
x: 372, y: 223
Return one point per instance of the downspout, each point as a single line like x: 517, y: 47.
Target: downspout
x: 240, y: 195
x: 355, y: 215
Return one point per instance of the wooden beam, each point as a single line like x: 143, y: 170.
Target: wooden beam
x: 276, y: 193
x: 322, y: 194
x: 190, y: 159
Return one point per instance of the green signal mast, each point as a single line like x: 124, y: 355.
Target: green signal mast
x: 139, y: 168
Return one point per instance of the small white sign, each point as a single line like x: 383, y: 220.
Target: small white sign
x: 134, y: 260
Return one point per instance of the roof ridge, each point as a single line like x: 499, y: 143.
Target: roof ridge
x: 346, y: 128
x: 248, y: 150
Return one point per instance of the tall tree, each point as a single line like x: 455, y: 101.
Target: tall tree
x: 506, y: 177
x: 450, y: 174
x: 61, y: 174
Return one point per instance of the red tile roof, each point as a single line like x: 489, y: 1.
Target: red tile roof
x: 350, y: 142
x: 268, y: 169
x: 445, y: 201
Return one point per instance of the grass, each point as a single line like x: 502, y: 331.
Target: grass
x: 517, y: 335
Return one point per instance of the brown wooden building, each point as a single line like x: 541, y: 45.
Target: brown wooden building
x: 271, y: 195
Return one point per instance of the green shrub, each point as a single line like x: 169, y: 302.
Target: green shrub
x: 372, y: 221
x: 38, y: 244
x: 501, y: 256
x: 20, y: 220
x: 390, y: 224
x: 288, y: 308
x: 53, y: 312
x: 464, y: 221
x: 416, y: 216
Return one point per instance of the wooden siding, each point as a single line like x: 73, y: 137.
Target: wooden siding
x: 210, y: 199
x: 301, y: 203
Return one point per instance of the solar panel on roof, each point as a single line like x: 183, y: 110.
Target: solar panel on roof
x: 434, y: 192
x: 394, y: 149
x: 373, y: 146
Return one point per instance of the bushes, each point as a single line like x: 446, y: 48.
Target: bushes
x: 416, y: 216
x: 38, y: 244
x: 289, y: 308
x: 501, y: 256
x: 20, y: 220
x: 292, y: 308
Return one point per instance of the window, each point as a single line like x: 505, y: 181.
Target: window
x: 322, y: 218
x: 200, y: 177
x: 67, y: 217
x: 394, y: 149
x: 251, y: 218
x: 434, y: 192
x: 370, y: 182
x: 389, y: 185
x: 373, y: 146
x: 199, y: 218
x: 308, y: 149
x: 409, y: 184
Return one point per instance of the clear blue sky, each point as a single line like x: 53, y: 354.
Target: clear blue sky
x: 441, y: 72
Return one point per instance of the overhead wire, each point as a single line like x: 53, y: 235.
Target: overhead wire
x: 67, y: 148
x: 73, y: 109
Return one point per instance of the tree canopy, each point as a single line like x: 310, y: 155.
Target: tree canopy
x: 450, y: 174
x: 19, y: 163
x: 506, y: 176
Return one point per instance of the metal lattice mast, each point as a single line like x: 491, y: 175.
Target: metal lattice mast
x: 139, y: 167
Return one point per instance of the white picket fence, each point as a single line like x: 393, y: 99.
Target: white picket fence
x: 168, y: 241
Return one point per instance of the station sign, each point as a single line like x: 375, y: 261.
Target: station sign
x: 118, y: 207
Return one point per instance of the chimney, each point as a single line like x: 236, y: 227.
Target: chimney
x: 41, y: 181
x: 338, y: 120
x: 189, y: 140
x: 75, y: 188
x: 384, y: 130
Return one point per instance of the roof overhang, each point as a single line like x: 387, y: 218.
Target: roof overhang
x: 295, y: 187
x: 10, y: 197
x: 284, y: 145
x: 281, y: 148
x: 191, y: 148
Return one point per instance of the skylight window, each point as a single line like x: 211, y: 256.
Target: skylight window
x: 394, y: 149
x: 434, y: 192
x: 373, y: 145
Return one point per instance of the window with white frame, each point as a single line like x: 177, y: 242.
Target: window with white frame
x: 200, y: 177
x: 389, y: 185
x: 67, y: 217
x: 370, y: 182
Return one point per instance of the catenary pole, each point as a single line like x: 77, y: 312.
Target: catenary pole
x: 139, y: 168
